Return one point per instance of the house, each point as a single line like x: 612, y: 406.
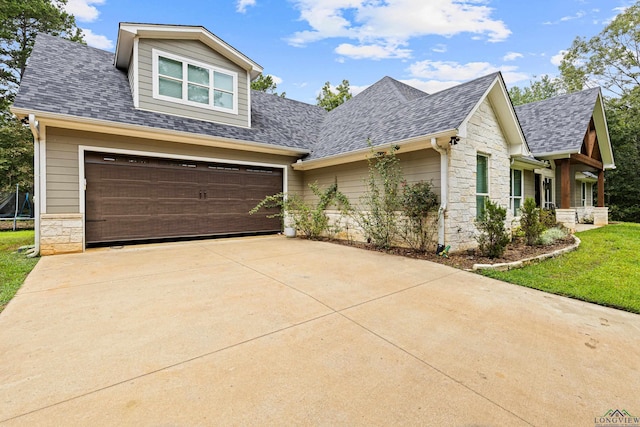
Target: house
x: 165, y: 139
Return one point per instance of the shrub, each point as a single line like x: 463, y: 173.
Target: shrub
x: 311, y: 221
x: 378, y: 216
x: 530, y: 221
x: 493, y: 238
x: 418, y: 201
x: 548, y: 237
x: 548, y: 218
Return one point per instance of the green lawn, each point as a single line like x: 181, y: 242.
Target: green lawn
x: 605, y: 269
x: 14, y: 267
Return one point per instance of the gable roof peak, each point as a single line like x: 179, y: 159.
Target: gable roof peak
x: 128, y: 31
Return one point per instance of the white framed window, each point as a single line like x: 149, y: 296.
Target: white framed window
x: 190, y: 82
x: 516, y: 191
x: 482, y: 183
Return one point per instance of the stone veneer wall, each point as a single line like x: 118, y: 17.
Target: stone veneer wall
x: 61, y: 233
x: 484, y: 136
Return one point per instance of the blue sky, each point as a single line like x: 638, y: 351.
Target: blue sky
x: 430, y: 44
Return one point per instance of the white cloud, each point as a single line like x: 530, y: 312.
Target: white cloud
x: 557, y: 58
x: 512, y: 56
x: 83, y: 10
x: 393, y: 23
x: 433, y: 76
x: 440, y: 48
x: 578, y: 15
x: 430, y: 86
x: 277, y: 80
x: 242, y: 5
x: 375, y: 52
x: 355, y: 89
x: 96, y: 40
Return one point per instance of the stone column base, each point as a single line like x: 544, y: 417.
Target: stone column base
x: 567, y: 217
x: 61, y: 233
x: 600, y: 216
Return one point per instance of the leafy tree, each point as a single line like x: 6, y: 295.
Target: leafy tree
x: 623, y: 183
x: 20, y: 22
x: 265, y: 83
x: 329, y: 99
x: 538, y: 90
x: 16, y: 156
x: 611, y: 59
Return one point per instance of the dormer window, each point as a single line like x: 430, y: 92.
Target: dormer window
x: 190, y: 82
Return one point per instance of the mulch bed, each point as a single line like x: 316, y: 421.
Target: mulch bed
x: 465, y: 260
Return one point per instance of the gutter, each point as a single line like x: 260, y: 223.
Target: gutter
x: 35, y: 130
x: 148, y: 132
x: 408, y: 145
x: 444, y: 191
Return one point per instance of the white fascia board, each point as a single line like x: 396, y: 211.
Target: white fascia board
x: 406, y: 146
x: 602, y: 131
x: 147, y: 132
x: 501, y: 103
x: 129, y: 30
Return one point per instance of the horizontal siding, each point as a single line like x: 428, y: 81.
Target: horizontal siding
x: 423, y: 165
x: 195, y: 50
x: 63, y: 167
x: 529, y: 185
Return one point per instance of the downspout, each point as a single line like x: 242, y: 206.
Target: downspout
x: 444, y: 191
x: 35, y: 130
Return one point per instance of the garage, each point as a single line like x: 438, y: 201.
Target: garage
x: 130, y: 198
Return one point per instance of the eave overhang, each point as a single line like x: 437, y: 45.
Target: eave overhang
x: 127, y: 33
x: 147, y: 132
x: 405, y: 146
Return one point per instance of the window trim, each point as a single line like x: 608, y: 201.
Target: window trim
x: 512, y: 197
x: 156, y: 54
x: 486, y: 196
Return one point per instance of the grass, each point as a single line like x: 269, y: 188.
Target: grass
x: 605, y: 269
x: 14, y: 266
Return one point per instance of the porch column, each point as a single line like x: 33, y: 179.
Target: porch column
x: 565, y: 184
x: 601, y: 189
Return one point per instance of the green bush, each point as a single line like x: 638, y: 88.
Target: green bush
x: 493, y: 238
x: 379, y: 206
x: 311, y: 221
x: 548, y: 218
x: 418, y: 203
x: 530, y: 221
x: 548, y: 237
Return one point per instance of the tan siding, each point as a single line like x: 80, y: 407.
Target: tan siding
x: 63, y: 168
x: 529, y: 185
x: 195, y: 50
x: 416, y: 166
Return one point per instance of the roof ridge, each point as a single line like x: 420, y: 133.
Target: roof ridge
x: 562, y: 95
x: 287, y: 99
x: 495, y: 74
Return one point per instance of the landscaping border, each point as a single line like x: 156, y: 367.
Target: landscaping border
x: 527, y: 261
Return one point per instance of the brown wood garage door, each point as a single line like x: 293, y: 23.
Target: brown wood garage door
x: 139, y: 198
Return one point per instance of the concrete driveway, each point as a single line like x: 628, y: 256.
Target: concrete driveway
x: 260, y: 331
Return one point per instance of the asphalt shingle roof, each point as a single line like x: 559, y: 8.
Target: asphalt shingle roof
x: 69, y: 78
x: 559, y: 123
x: 384, y: 114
